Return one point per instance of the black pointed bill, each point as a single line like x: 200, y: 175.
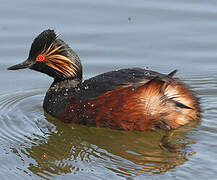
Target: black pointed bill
x: 23, y: 65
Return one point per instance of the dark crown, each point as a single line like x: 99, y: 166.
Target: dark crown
x: 48, y: 50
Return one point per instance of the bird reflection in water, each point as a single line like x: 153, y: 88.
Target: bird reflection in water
x: 71, y: 148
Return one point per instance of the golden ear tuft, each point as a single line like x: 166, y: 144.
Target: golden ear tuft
x: 62, y: 64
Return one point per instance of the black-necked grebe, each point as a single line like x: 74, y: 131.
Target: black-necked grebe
x: 130, y: 99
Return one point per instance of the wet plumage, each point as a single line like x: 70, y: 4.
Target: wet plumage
x: 131, y: 99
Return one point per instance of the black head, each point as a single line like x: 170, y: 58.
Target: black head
x: 52, y: 56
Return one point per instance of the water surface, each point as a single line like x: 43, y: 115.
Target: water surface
x: 161, y: 35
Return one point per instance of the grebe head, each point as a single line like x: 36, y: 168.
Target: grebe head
x: 52, y: 56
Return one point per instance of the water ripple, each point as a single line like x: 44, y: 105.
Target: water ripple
x: 19, y: 113
x: 45, y: 147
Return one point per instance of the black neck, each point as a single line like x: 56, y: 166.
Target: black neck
x: 58, y: 94
x: 62, y: 84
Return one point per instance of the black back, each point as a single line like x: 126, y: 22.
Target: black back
x: 70, y: 91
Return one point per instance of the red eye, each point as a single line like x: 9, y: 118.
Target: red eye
x: 40, y: 58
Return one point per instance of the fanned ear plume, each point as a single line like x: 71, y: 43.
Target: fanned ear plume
x: 56, y: 60
x: 55, y: 53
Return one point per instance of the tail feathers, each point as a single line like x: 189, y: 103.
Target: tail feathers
x: 168, y: 106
